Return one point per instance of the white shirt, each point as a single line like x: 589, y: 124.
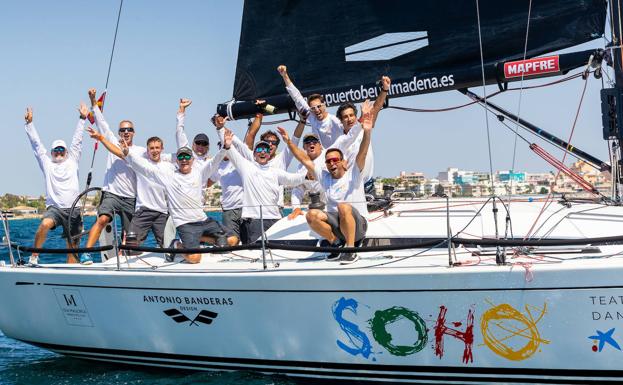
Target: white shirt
x: 308, y: 186
x: 327, y: 129
x: 231, y: 185
x: 151, y: 195
x: 182, y: 139
x: 120, y: 179
x: 184, y: 191
x: 261, y: 186
x: 61, y: 179
x: 281, y: 161
x: 348, y: 188
x: 350, y: 153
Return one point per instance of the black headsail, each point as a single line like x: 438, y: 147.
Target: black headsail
x: 340, y: 48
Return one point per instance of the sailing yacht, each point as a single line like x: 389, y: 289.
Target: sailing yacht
x: 447, y: 290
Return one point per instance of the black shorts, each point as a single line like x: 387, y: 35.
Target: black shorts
x: 145, y: 219
x: 361, y: 225
x: 232, y: 219
x: 122, y: 206
x: 61, y: 218
x: 191, y: 233
x: 251, y: 229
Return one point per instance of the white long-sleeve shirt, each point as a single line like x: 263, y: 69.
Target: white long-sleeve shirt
x: 261, y: 186
x: 149, y: 194
x: 61, y: 179
x: 182, y: 140
x: 184, y: 191
x: 231, y: 185
x: 281, y: 161
x: 327, y: 129
x: 119, y: 179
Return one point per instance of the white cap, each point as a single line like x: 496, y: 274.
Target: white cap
x: 59, y: 143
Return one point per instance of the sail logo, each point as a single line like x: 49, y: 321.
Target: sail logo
x: 531, y: 67
x: 387, y: 46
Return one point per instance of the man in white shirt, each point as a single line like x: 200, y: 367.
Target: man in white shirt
x: 183, y: 187
x: 119, y: 189
x: 231, y: 194
x: 151, y: 205
x: 60, y: 171
x: 343, y: 185
x: 314, y: 150
x: 261, y: 184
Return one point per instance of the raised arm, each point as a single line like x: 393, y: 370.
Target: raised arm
x: 289, y: 178
x: 243, y: 165
x: 296, y: 139
x: 219, y: 123
x: 75, y: 148
x: 380, y: 101
x: 367, y: 125
x: 298, y: 153
x: 180, y: 135
x: 100, y: 122
x: 37, y: 147
x: 295, y: 94
x: 114, y: 149
x: 254, y: 127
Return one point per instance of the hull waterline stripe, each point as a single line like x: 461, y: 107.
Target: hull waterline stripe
x: 340, y: 291
x: 301, y: 365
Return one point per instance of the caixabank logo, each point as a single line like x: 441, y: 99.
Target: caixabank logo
x: 205, y: 317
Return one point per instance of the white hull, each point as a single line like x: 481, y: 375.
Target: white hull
x: 412, y: 320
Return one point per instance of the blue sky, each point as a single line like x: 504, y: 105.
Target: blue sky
x: 54, y: 51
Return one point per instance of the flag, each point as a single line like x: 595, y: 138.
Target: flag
x: 100, y: 104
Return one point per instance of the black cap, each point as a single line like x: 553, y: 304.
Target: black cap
x: 201, y: 138
x: 310, y: 138
x: 184, y: 150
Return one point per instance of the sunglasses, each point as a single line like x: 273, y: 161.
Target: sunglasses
x: 59, y: 150
x: 316, y: 108
x: 272, y: 142
x: 310, y: 140
x: 184, y: 157
x: 330, y: 161
x: 202, y: 143
x: 126, y: 129
x: 262, y: 149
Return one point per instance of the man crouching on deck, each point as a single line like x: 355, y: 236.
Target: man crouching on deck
x: 344, y: 190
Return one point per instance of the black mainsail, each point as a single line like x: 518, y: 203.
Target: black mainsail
x: 339, y: 49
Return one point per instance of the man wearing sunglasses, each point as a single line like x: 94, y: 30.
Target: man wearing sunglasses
x: 314, y: 150
x: 261, y: 185
x: 119, y: 189
x: 183, y: 186
x: 60, y: 170
x: 343, y: 185
x: 325, y: 125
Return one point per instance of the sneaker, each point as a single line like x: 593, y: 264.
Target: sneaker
x: 348, y: 258
x: 33, y: 260
x: 86, y: 259
x: 334, y: 256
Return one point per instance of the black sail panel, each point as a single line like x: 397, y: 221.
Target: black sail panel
x: 425, y: 46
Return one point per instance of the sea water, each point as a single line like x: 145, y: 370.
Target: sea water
x: 28, y: 365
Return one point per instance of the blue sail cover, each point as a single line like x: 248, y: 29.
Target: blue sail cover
x: 341, y: 48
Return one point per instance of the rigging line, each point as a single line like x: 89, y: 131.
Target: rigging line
x: 525, y: 50
x: 564, y: 157
x: 619, y: 42
x: 484, y: 91
x: 114, y: 42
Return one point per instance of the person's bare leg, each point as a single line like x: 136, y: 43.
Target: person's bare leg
x: 42, y: 233
x: 192, y: 258
x: 96, y: 229
x: 317, y: 220
x: 347, y: 223
x: 233, y: 240
x: 72, y: 258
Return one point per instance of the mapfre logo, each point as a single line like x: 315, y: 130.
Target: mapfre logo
x: 531, y: 67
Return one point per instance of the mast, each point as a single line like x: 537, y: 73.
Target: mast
x: 612, y: 100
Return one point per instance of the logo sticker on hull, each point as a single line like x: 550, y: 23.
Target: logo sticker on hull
x: 73, y: 308
x: 204, y: 317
